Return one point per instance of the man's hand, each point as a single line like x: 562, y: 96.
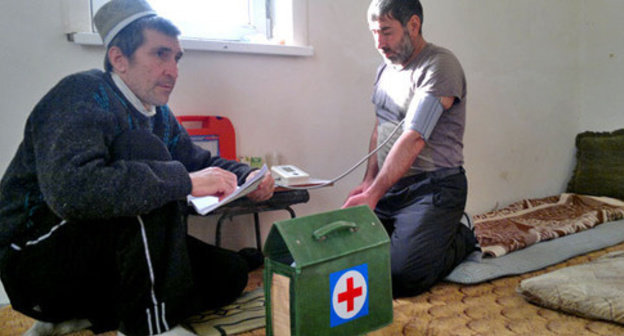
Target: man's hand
x: 357, y: 197
x: 361, y: 198
x: 265, y: 188
x: 359, y: 189
x: 213, y: 181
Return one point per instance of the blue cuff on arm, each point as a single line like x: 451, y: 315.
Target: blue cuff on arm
x: 423, y: 114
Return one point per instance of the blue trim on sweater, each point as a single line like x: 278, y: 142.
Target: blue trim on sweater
x: 102, y: 98
x: 164, y: 114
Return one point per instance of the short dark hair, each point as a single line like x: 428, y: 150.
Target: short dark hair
x: 131, y: 37
x: 400, y: 10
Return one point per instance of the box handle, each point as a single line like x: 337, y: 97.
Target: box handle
x: 322, y: 232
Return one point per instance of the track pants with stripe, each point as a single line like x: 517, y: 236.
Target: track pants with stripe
x: 142, y: 275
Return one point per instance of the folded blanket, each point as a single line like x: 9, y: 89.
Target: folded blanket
x: 594, y: 289
x: 533, y: 220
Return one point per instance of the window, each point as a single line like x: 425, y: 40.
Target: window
x: 254, y: 26
x: 232, y: 20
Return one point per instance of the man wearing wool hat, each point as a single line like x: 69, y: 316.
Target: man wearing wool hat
x: 92, y: 226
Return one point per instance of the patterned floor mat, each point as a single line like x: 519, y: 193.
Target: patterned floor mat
x: 244, y: 314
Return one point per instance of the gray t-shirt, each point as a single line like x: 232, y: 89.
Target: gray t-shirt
x: 436, y: 72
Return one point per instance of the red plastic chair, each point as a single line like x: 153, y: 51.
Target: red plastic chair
x: 213, y: 132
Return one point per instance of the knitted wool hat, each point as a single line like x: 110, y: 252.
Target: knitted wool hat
x: 115, y: 15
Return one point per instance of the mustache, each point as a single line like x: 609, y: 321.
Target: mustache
x: 168, y: 81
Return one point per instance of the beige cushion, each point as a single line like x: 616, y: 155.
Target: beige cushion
x: 593, y: 290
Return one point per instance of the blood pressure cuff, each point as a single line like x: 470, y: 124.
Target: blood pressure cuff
x: 423, y: 114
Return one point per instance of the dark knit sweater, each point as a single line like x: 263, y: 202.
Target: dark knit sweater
x: 64, y: 162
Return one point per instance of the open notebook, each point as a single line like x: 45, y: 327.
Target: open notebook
x: 205, y: 204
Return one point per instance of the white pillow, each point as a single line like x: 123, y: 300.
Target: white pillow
x: 593, y: 290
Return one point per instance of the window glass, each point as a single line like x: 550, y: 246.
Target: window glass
x: 231, y: 20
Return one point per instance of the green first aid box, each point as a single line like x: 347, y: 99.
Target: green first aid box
x: 328, y: 274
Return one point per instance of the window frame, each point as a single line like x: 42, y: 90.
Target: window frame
x: 79, y: 30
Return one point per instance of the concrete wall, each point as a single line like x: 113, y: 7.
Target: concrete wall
x: 602, y: 66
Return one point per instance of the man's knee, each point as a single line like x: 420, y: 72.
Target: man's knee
x: 220, y: 275
x: 236, y: 274
x: 413, y: 281
x: 240, y: 277
x: 233, y: 281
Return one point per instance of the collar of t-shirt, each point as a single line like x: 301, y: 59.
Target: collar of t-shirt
x: 132, y: 98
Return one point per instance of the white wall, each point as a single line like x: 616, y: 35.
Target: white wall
x: 602, y: 66
x: 521, y: 60
x: 537, y: 74
x: 33, y: 57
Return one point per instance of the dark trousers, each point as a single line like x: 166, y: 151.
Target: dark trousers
x: 142, y: 275
x: 422, y: 215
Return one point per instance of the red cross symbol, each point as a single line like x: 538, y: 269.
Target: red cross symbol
x: 350, y: 294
